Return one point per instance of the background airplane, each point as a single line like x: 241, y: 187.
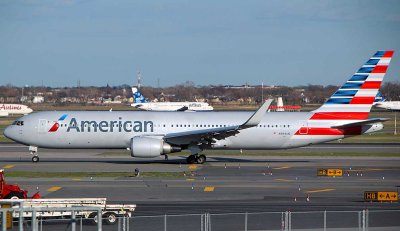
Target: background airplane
x: 151, y: 134
x: 140, y: 102
x: 14, y: 109
x: 381, y: 102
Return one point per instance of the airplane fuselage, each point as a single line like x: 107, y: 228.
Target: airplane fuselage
x: 13, y: 109
x: 103, y: 129
x: 173, y: 106
x: 389, y: 105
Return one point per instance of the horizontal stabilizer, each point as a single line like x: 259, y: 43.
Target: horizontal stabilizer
x: 364, y: 122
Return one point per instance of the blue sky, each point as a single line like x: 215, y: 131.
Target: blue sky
x: 276, y: 42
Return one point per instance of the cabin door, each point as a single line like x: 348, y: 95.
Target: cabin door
x: 42, y: 126
x: 303, y: 127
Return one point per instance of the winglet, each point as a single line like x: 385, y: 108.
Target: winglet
x: 255, y: 119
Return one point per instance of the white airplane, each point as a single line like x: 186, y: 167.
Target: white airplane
x: 141, y: 103
x: 380, y: 102
x: 13, y: 109
x: 152, y: 134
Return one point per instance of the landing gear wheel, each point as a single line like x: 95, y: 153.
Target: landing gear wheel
x: 110, y: 218
x: 191, y: 159
x: 15, y: 195
x: 201, y: 159
x: 35, y: 159
x: 93, y: 218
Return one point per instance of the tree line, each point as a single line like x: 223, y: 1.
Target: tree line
x: 299, y: 95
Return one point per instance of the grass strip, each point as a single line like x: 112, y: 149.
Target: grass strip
x: 26, y: 174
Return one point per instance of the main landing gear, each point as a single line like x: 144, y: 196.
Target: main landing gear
x: 196, y: 158
x: 33, y: 151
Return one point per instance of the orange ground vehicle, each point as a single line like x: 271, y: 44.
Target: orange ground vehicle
x: 9, y: 191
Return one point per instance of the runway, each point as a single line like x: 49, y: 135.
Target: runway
x: 225, y: 184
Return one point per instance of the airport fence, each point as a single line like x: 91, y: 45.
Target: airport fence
x: 312, y: 220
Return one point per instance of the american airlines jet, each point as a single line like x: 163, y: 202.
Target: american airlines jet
x: 151, y: 134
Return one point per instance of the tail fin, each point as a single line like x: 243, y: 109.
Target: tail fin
x: 379, y: 98
x: 137, y: 96
x: 353, y: 101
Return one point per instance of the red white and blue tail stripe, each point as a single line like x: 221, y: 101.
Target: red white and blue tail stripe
x: 353, y: 101
x: 346, y: 111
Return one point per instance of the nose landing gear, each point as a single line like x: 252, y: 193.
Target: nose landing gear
x: 35, y: 158
x: 33, y: 151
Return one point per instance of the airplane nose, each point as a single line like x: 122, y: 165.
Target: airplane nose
x: 7, y: 132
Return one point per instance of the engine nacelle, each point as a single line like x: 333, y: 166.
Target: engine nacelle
x: 148, y: 147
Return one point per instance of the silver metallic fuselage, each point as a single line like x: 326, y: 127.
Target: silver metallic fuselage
x: 276, y: 130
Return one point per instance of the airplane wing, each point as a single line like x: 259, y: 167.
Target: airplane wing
x: 364, y: 122
x: 208, y: 136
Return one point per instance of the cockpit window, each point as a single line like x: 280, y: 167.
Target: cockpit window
x: 18, y: 123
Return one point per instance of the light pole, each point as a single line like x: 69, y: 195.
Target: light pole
x: 395, y: 122
x: 262, y: 92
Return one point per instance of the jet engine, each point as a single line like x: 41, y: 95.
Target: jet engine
x: 147, y: 147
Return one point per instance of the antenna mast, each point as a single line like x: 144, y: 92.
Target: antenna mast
x: 139, y: 79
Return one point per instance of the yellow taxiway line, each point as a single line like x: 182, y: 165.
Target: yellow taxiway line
x: 53, y: 189
x: 321, y: 190
x: 283, y: 167
x: 9, y: 166
x: 209, y: 189
x: 192, y: 167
